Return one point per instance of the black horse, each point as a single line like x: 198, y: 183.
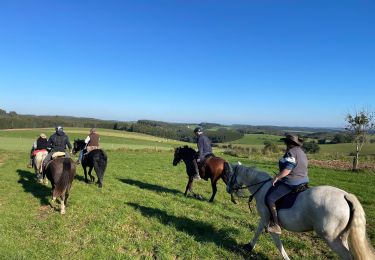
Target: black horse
x: 96, y: 159
x: 214, y: 169
x: 60, y: 172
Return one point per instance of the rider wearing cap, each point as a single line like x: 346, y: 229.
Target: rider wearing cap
x: 292, y: 175
x: 204, y: 150
x: 58, y: 143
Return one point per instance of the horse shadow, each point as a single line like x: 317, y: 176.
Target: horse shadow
x: 79, y: 178
x: 199, y: 230
x: 29, y: 184
x: 148, y: 186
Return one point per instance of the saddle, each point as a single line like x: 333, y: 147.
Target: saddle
x: 288, y: 200
x: 58, y: 154
x: 202, y: 166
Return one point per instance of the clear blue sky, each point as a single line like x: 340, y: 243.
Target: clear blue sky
x: 290, y: 63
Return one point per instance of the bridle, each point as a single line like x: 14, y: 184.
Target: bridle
x: 233, y: 181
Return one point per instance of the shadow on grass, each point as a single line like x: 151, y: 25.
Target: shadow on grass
x: 29, y: 184
x: 148, y: 186
x: 201, y: 231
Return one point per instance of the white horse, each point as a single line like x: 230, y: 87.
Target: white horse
x: 38, y: 162
x: 335, y: 215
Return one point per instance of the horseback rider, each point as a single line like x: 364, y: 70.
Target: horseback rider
x: 204, y: 151
x: 39, y: 144
x: 292, y: 175
x: 57, y: 143
x: 92, y: 143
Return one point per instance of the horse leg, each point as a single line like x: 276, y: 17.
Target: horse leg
x: 250, y: 246
x: 338, y: 246
x: 214, y: 189
x: 189, y: 187
x: 62, y: 208
x: 279, y: 245
x: 84, y: 170
x: 92, y: 178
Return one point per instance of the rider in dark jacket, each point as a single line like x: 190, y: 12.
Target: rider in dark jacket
x: 204, y: 150
x: 57, y: 143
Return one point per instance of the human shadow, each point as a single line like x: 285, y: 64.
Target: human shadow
x: 29, y: 184
x: 148, y: 186
x: 199, y: 230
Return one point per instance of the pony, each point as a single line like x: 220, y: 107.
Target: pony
x: 60, y: 172
x: 335, y: 215
x: 215, y: 168
x: 38, y: 165
x: 96, y: 159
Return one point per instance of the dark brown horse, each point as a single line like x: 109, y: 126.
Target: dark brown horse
x: 96, y: 159
x: 214, y: 169
x: 60, y: 172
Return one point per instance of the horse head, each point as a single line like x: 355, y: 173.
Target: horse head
x: 183, y: 153
x: 78, y: 145
x: 176, y: 158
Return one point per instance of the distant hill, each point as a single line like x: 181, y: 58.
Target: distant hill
x: 178, y: 131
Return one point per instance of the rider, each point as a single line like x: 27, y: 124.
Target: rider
x: 92, y: 143
x: 204, y: 150
x: 39, y: 144
x: 57, y: 143
x: 293, y: 174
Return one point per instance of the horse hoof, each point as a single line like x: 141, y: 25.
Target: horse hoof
x: 248, y: 247
x: 62, y: 212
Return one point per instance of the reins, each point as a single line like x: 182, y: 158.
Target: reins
x: 251, y: 197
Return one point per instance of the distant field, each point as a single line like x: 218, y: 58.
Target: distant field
x: 22, y: 140
x: 256, y: 139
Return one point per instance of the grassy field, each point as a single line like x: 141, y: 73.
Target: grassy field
x: 141, y: 211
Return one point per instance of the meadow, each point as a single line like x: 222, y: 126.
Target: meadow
x: 141, y: 213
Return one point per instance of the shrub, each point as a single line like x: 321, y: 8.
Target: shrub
x: 311, y: 147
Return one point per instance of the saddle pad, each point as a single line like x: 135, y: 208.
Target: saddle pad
x: 58, y: 154
x: 287, y: 201
x: 38, y: 151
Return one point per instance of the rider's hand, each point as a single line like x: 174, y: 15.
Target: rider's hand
x: 275, y: 179
x: 198, y: 160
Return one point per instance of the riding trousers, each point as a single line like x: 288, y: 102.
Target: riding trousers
x: 277, y: 192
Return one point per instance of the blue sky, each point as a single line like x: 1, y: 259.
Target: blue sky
x: 289, y: 63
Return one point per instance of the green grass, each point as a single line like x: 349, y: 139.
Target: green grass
x: 257, y: 139
x: 141, y: 213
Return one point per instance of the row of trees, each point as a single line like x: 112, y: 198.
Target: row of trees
x: 179, y: 132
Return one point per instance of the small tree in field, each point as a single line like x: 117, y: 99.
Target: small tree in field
x: 359, y: 125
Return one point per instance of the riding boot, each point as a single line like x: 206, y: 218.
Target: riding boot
x: 273, y: 226
x: 196, y: 176
x: 30, y: 164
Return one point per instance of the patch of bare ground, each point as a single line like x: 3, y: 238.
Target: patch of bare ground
x: 340, y: 165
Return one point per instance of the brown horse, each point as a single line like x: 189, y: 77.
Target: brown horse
x: 60, y: 172
x: 214, y: 169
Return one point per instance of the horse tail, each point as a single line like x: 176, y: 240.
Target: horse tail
x: 359, y: 245
x: 100, y: 164
x: 66, y: 177
x: 227, y: 172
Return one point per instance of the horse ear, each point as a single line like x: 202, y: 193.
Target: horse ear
x: 185, y: 146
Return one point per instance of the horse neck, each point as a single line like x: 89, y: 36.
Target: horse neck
x: 255, y: 176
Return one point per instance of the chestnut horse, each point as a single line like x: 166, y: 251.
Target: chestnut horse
x: 60, y: 172
x: 214, y: 169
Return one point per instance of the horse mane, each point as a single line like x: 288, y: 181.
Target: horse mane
x: 187, y: 150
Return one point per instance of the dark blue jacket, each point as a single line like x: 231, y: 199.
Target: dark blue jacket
x: 58, y: 142
x: 204, y: 146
